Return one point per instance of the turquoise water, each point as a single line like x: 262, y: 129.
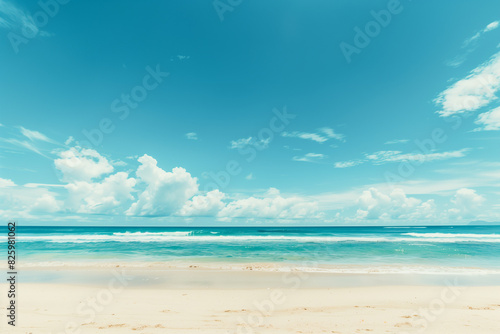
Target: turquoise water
x: 445, y: 246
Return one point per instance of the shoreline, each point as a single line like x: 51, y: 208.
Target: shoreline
x: 200, y: 278
x: 309, y: 267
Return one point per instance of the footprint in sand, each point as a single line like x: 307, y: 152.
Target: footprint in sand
x: 403, y: 324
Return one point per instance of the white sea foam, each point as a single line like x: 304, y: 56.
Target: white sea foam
x: 181, y: 233
x: 454, y: 235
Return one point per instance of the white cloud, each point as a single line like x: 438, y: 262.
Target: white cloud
x: 165, y: 193
x: 20, y: 201
x: 309, y: 157
x: 397, y: 156
x: 24, y: 144
x: 476, y: 90
x: 467, y: 203
x: 324, y: 135
x: 305, y: 135
x: 250, y: 141
x: 108, y: 196
x: 331, y: 134
x: 192, y: 136
x: 47, y: 203
x: 35, y: 135
x: 470, y: 45
x: 80, y: 164
x: 273, y: 205
x: 204, y: 205
x: 249, y: 177
x: 69, y: 140
x: 381, y: 157
x: 4, y: 183
x: 346, y: 164
x: 397, y: 141
x: 374, y: 204
x: 181, y: 57
x: 489, y: 120
x: 492, y: 26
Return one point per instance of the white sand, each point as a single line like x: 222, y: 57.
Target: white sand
x: 49, y: 308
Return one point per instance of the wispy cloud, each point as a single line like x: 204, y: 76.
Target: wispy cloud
x: 310, y: 157
x: 321, y: 136
x: 470, y: 45
x: 476, y: 90
x: 489, y: 121
x: 382, y: 157
x: 192, y: 136
x: 32, y: 143
x: 346, y: 164
x: 397, y: 141
x: 17, y: 20
x: 23, y: 144
x: 34, y: 135
x: 250, y: 141
x: 492, y: 26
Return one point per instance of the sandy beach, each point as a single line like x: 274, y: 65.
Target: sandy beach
x: 119, y: 305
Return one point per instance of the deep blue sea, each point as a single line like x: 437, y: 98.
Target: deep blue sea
x: 420, y: 248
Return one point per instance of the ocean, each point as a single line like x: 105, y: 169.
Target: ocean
x: 431, y: 249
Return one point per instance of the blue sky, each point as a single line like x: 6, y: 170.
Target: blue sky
x: 402, y: 128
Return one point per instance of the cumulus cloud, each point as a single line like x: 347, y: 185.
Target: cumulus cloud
x: 272, y: 205
x: 204, y: 205
x: 165, y: 193
x: 80, y: 164
x: 475, y: 91
x: 489, y: 121
x: 467, y: 203
x: 46, y: 203
x: 4, y: 183
x: 374, y: 204
x: 20, y: 202
x: 108, y: 196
